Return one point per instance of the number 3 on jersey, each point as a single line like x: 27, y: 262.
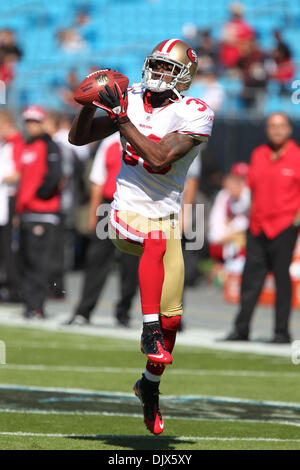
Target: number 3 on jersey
x: 132, y: 158
x: 203, y: 106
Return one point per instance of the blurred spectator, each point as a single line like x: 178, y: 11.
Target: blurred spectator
x: 101, y: 252
x: 72, y: 169
x: 84, y: 26
x: 71, y: 41
x: 207, y: 46
x: 228, y: 220
x: 11, y: 147
x: 58, y: 127
x: 10, y: 54
x: 82, y: 18
x: 82, y: 152
x: 38, y: 203
x: 235, y: 33
x: 285, y: 67
x: 189, y: 199
x: 254, y: 71
x: 201, y: 41
x: 77, y: 215
x: 207, y: 87
x: 66, y: 91
x: 274, y: 180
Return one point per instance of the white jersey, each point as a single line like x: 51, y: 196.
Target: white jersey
x: 139, y: 188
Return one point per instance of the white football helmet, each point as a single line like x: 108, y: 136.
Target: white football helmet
x: 182, y: 61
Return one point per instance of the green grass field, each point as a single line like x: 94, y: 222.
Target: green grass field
x: 211, y: 399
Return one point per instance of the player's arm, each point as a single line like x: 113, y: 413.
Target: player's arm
x: 86, y: 128
x: 158, y: 154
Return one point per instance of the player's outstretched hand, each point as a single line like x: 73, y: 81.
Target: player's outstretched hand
x: 115, y: 103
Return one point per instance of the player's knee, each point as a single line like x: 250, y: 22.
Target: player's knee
x: 156, y: 243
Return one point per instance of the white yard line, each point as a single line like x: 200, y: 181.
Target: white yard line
x: 171, y: 371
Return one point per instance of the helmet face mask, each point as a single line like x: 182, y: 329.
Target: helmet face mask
x: 171, y: 70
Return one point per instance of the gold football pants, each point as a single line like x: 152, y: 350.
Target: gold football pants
x: 129, y: 233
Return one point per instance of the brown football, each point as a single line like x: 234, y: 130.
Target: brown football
x: 88, y: 89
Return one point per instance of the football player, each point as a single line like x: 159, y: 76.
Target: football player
x: 161, y: 131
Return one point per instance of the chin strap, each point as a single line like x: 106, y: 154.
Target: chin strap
x: 176, y: 93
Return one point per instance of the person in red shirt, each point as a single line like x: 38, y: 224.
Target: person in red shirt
x: 285, y: 67
x: 101, y: 251
x: 235, y: 33
x: 38, y: 206
x: 274, y: 180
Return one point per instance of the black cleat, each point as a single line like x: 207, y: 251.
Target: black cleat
x: 148, y: 394
x: 152, y: 344
x: 235, y: 336
x: 31, y: 314
x: 280, y: 339
x: 123, y: 320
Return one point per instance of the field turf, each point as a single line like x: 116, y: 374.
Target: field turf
x: 68, y: 391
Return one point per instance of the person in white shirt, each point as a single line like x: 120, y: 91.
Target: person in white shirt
x: 228, y: 220
x: 11, y: 147
x: 101, y: 251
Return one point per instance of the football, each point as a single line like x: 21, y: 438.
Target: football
x: 88, y: 90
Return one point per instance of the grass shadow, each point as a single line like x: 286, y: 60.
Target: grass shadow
x: 136, y: 442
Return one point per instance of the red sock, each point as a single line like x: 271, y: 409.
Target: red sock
x: 169, y: 327
x: 151, y: 272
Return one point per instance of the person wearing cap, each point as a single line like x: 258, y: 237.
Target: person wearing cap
x: 228, y: 219
x: 274, y: 180
x: 11, y: 147
x: 38, y: 204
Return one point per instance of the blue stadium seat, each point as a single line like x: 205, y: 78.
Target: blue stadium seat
x: 122, y: 32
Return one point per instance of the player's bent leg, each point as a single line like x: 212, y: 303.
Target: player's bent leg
x: 159, y: 332
x: 147, y: 388
x: 148, y: 394
x: 170, y: 319
x: 135, y: 234
x: 151, y: 277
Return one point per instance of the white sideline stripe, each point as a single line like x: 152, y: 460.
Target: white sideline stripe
x: 131, y: 370
x: 179, y: 438
x: 72, y: 347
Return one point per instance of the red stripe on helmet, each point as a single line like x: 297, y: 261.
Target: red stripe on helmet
x: 161, y: 47
x: 172, y: 45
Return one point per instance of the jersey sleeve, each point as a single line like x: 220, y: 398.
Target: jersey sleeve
x: 196, y: 119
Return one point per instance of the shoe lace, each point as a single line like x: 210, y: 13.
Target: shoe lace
x: 151, y: 336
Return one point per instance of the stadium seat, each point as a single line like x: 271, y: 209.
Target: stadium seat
x: 145, y: 24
